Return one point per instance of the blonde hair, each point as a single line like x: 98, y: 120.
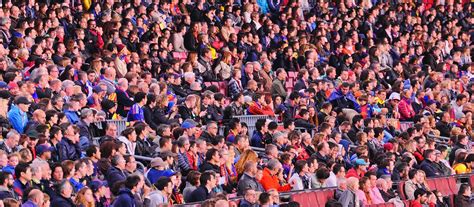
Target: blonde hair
x: 247, y: 156
x: 81, y: 198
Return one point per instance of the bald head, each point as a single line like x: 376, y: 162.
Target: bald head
x: 110, y: 73
x: 122, y: 82
x: 39, y: 116
x: 222, y: 203
x: 36, y: 196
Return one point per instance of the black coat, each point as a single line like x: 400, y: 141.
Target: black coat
x: 60, y: 201
x: 444, y: 128
x: 463, y: 201
x: 148, y: 113
x: 200, y: 194
x: 208, y: 166
x: 123, y: 101
x: 299, y: 85
x: 115, y: 175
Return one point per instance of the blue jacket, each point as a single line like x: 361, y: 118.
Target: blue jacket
x: 69, y: 150
x: 338, y: 100
x: 124, y: 199
x: 115, y: 175
x: 71, y: 116
x: 29, y: 203
x: 257, y: 139
x: 153, y: 175
x: 263, y: 4
x: 17, y: 118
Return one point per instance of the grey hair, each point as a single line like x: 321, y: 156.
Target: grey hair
x: 12, y: 133
x: 182, y: 140
x: 273, y: 164
x: 86, y: 112
x: 67, y: 83
x: 189, y: 75
x: 62, y: 185
x: 122, y: 82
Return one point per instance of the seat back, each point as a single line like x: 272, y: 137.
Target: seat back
x: 442, y: 185
x: 323, y: 196
x: 431, y: 183
x: 302, y: 198
x: 453, y: 185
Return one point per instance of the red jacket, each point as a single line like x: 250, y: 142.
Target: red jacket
x: 405, y: 109
x: 257, y: 109
x: 353, y: 173
x: 272, y: 182
x: 415, y: 203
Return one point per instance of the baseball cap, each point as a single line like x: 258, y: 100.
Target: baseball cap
x: 95, y: 185
x: 157, y: 162
x: 3, y: 84
x: 360, y: 162
x: 22, y: 100
x: 394, y: 96
x: 33, y: 134
x: 42, y: 148
x: 388, y: 146
x: 97, y: 89
x: 188, y: 124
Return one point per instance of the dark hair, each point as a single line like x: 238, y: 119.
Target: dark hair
x: 91, y: 150
x: 322, y: 173
x: 260, y: 124
x: 54, y: 130
x: 21, y: 168
x: 132, y: 181
x: 264, y: 198
x: 337, y: 167
x: 463, y: 188
x: 162, y: 182
x: 139, y: 96
x: 287, y: 123
x: 206, y: 177
x: 193, y: 177
x: 210, y: 153
x: 127, y: 132
x: 272, y: 125
x: 139, y: 127
x: 4, y: 177
x: 378, y: 131
x: 233, y: 123
x: 412, y: 173
x: 357, y: 118
x: 299, y: 165
x: 419, y: 192
x: 428, y: 152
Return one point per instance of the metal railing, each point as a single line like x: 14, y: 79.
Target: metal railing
x: 250, y: 120
x: 121, y: 124
x: 439, y: 139
x: 302, y: 129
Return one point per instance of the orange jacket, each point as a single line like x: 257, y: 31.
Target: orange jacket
x: 272, y: 182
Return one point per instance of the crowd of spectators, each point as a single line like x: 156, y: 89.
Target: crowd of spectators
x: 358, y: 94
